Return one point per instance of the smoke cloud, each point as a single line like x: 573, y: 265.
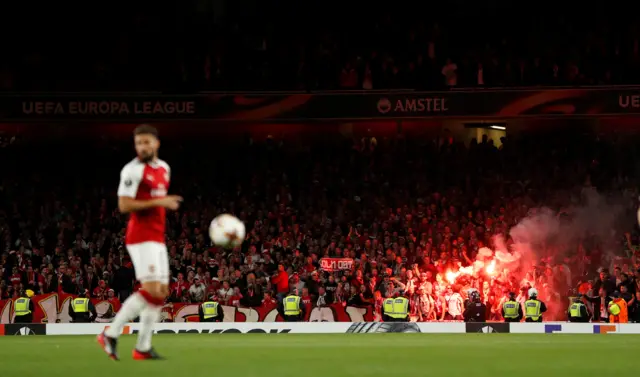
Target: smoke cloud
x: 548, y: 233
x: 596, y: 222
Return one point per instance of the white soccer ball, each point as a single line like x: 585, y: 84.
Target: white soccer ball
x: 227, y: 231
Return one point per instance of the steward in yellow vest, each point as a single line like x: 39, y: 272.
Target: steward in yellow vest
x: 577, y: 311
x: 511, y: 309
x: 400, y: 310
x: 618, y: 309
x: 387, y: 309
x: 23, y: 308
x: 211, y: 311
x: 81, y: 310
x: 290, y: 308
x: 533, y: 308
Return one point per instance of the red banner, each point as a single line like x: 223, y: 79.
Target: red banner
x: 53, y: 307
x: 336, y: 264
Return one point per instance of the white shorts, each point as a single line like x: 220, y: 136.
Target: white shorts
x: 150, y: 261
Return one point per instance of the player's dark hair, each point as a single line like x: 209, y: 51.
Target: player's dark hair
x: 146, y: 129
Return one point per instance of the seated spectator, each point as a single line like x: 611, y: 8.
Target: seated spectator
x: 197, y: 290
x: 225, y: 293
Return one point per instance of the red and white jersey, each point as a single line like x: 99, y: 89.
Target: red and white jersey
x: 142, y: 181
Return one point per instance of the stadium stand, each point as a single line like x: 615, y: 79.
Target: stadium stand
x: 405, y: 210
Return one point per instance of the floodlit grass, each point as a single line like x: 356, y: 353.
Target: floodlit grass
x: 284, y: 355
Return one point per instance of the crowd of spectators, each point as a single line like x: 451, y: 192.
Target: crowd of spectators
x: 406, y: 210
x: 288, y: 45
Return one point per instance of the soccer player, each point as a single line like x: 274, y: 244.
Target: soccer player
x: 143, y: 193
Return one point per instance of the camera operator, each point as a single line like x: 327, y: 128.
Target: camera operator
x: 475, y: 311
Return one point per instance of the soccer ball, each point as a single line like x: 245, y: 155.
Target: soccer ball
x: 227, y: 231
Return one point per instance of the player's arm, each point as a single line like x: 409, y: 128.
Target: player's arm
x: 130, y: 178
x: 128, y: 204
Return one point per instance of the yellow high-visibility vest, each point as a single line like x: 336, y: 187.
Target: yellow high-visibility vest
x: 400, y: 308
x: 387, y: 306
x: 209, y: 309
x: 532, y: 309
x: 80, y: 305
x: 510, y: 309
x: 574, y: 310
x: 614, y: 308
x: 292, y: 305
x: 22, y: 306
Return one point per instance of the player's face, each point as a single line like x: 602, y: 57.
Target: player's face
x: 146, y: 147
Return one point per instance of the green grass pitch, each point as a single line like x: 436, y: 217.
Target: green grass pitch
x: 339, y: 355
